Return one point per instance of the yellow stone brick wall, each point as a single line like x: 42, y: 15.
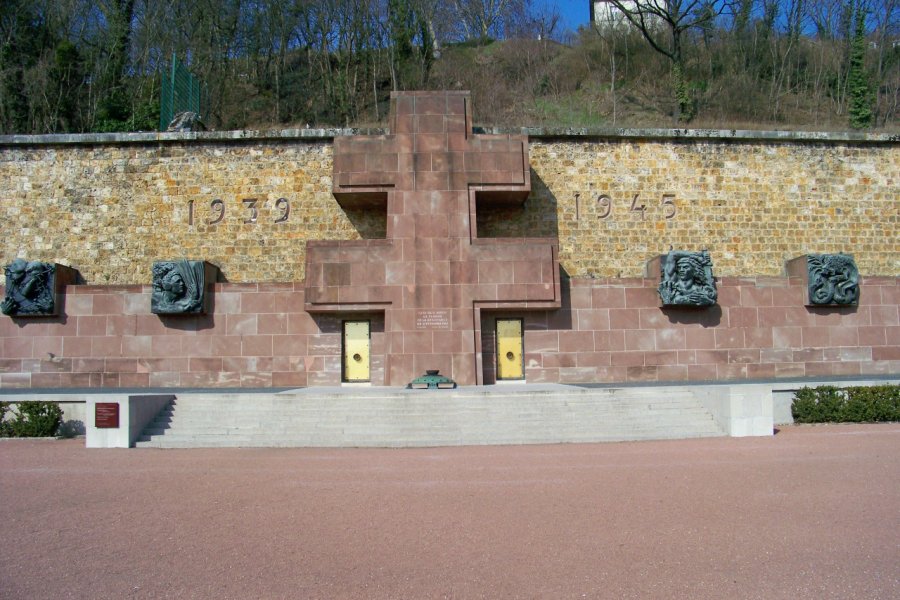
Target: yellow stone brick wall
x: 754, y: 205
x: 110, y: 210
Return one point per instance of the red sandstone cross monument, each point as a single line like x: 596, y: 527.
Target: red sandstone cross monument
x: 432, y: 276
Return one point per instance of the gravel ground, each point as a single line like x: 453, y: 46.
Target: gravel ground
x: 813, y: 512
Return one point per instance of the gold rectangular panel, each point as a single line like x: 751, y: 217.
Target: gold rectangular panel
x: 356, y: 351
x: 510, y: 349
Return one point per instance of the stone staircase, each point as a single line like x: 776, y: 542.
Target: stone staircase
x: 388, y: 417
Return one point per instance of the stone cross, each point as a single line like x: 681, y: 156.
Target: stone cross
x: 432, y: 276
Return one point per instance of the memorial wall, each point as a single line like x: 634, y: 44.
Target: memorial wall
x: 133, y: 228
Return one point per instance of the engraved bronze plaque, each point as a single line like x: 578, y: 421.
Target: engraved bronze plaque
x: 106, y: 415
x: 432, y: 319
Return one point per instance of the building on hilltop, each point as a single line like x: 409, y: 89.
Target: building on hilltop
x: 605, y: 14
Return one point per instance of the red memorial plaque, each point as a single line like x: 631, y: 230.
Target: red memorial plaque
x: 106, y: 415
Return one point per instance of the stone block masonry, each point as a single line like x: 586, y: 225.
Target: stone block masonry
x: 614, y: 331
x: 428, y: 176
x: 256, y: 335
x: 111, y: 205
x: 754, y: 205
x: 114, y: 209
x: 609, y: 330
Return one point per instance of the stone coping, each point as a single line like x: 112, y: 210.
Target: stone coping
x: 576, y: 133
x: 738, y: 135
x: 786, y: 383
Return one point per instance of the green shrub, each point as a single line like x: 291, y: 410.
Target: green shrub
x: 4, y: 424
x: 36, y: 419
x: 828, y: 404
x: 882, y: 402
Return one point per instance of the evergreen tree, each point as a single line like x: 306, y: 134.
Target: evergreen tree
x: 860, y: 110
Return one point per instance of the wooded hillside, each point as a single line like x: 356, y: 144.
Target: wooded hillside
x: 96, y: 65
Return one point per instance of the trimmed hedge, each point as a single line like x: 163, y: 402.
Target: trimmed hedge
x: 828, y: 404
x: 31, y: 419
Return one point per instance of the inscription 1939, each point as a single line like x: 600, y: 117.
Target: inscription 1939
x: 250, y: 206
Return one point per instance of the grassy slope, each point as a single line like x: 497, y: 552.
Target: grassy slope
x: 543, y: 83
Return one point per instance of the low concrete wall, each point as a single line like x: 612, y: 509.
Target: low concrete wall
x: 740, y: 410
x: 754, y: 409
x: 135, y: 412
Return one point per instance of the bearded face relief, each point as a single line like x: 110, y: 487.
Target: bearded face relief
x: 29, y: 289
x: 178, y: 288
x: 687, y: 279
x: 833, y: 280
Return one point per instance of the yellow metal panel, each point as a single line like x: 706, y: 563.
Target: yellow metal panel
x: 356, y: 351
x: 510, y: 362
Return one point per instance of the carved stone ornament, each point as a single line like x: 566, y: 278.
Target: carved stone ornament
x: 687, y: 279
x: 186, y: 121
x: 833, y: 280
x: 179, y: 287
x: 30, y: 289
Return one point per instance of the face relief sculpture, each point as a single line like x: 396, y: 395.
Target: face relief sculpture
x: 687, y: 279
x: 178, y: 287
x: 28, y: 288
x: 173, y: 287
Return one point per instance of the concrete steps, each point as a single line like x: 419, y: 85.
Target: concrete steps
x: 402, y: 418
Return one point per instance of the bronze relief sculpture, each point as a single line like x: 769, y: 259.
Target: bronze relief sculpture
x: 30, y: 289
x: 687, y: 279
x: 179, y: 288
x: 833, y: 279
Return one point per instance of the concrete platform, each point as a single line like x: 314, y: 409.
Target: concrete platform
x: 353, y: 416
x: 391, y: 417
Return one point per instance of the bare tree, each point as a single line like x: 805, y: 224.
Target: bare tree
x: 482, y: 19
x: 663, y: 23
x: 886, y: 14
x: 538, y: 20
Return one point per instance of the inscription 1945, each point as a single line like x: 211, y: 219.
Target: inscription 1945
x: 250, y: 207
x: 605, y: 206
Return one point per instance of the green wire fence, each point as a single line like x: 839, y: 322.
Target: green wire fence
x: 180, y: 92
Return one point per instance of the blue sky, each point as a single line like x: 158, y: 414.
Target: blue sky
x: 574, y: 12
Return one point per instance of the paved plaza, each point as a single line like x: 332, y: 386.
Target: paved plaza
x: 813, y: 512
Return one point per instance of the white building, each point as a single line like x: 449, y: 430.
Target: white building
x: 604, y: 13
